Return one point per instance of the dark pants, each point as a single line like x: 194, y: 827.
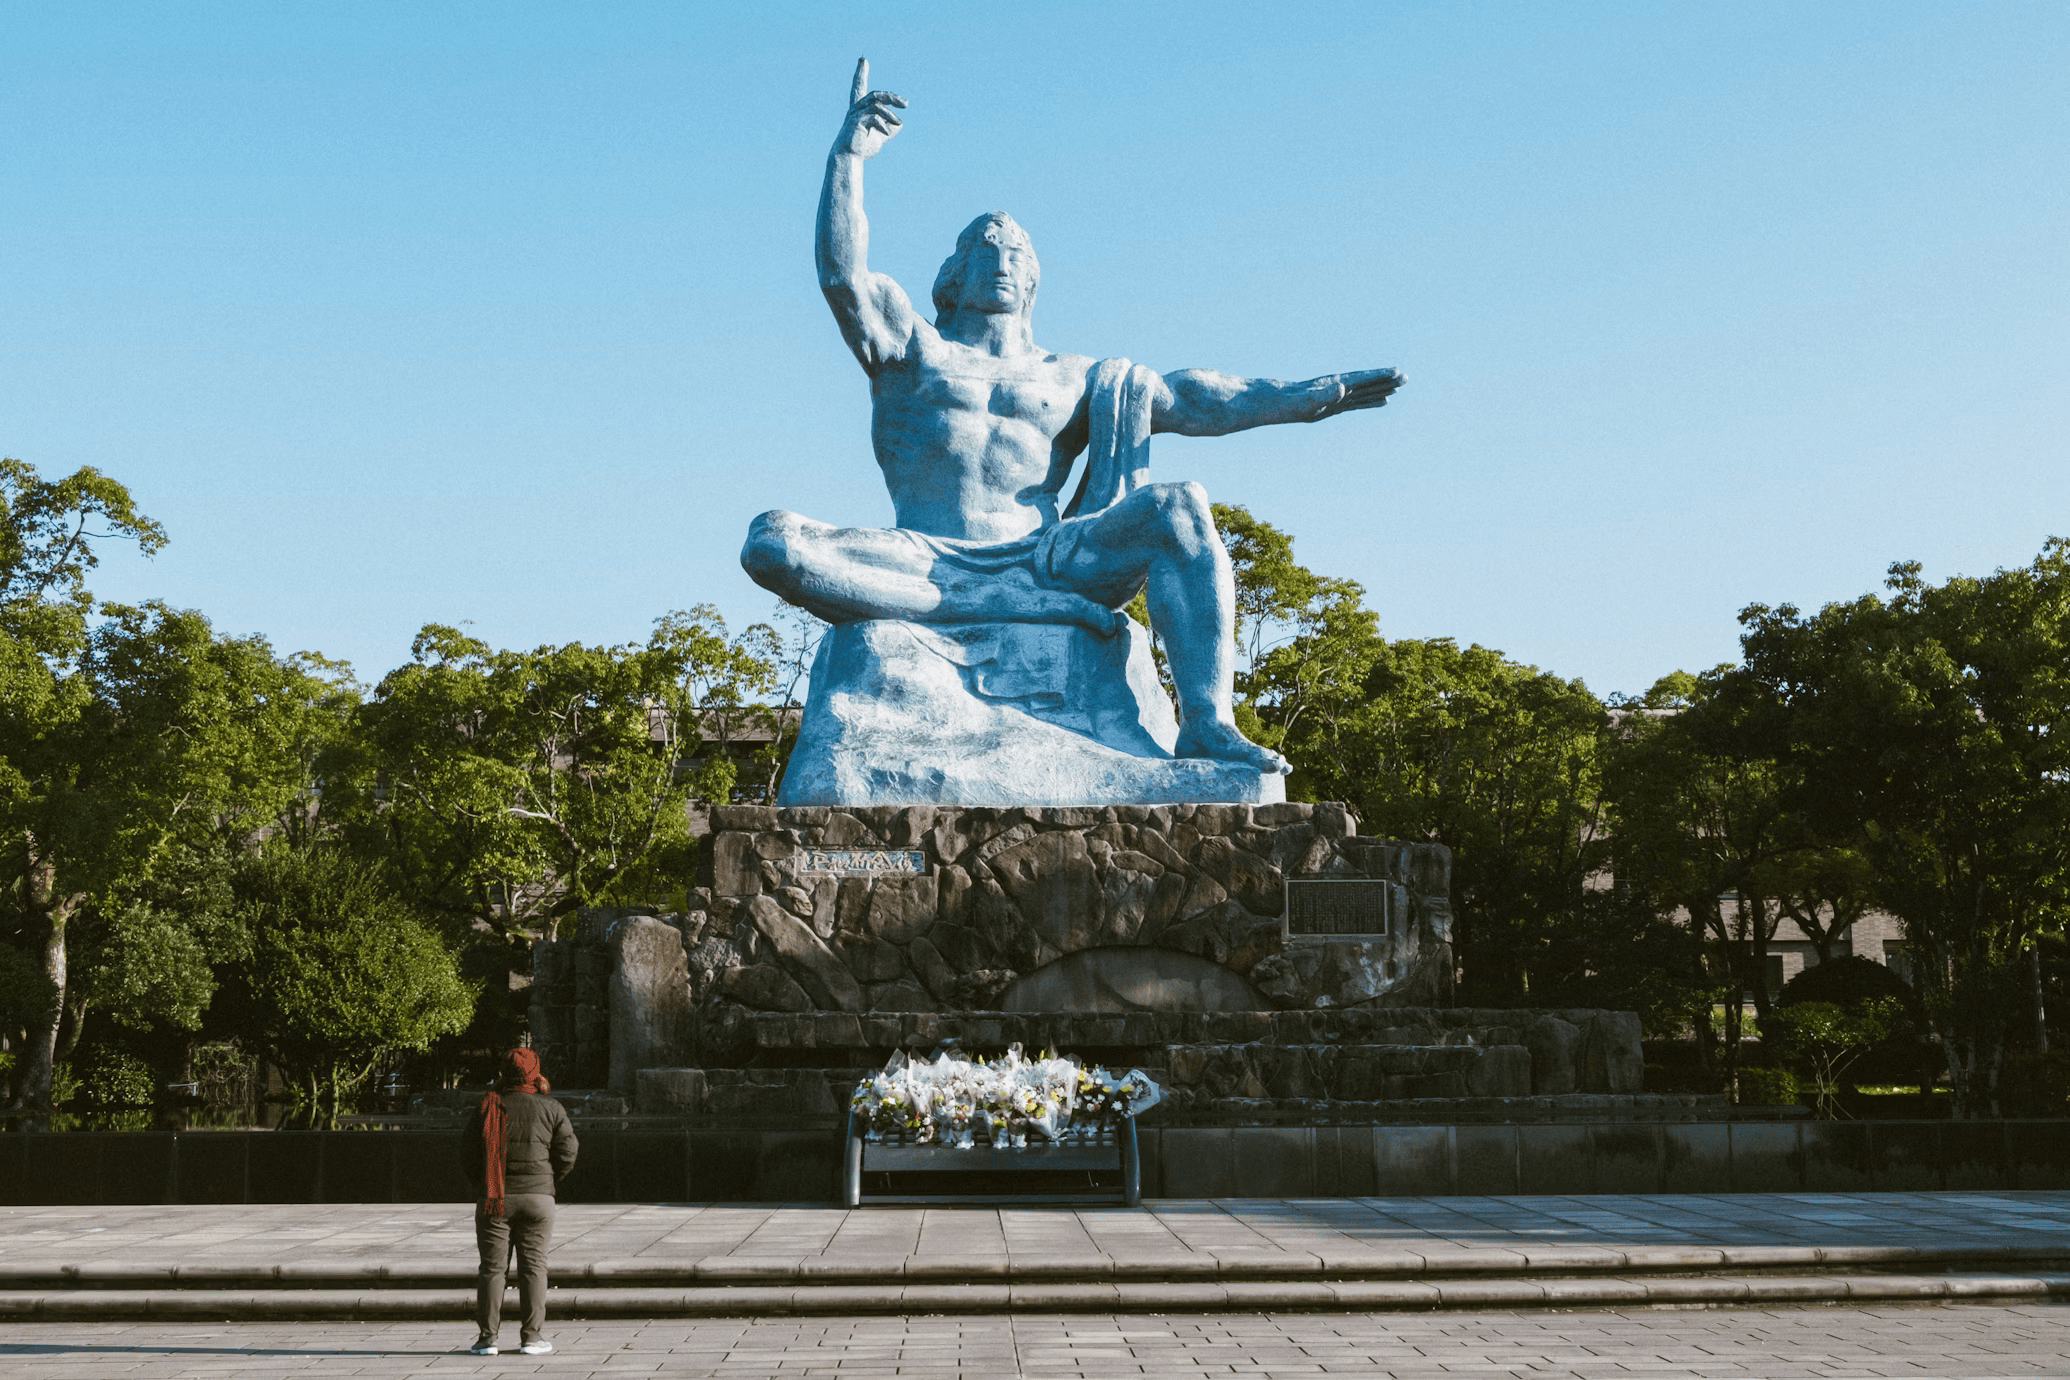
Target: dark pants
x: 527, y: 1228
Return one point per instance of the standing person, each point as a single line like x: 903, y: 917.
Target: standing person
x: 516, y: 1150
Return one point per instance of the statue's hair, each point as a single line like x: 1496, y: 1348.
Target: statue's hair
x: 948, y: 284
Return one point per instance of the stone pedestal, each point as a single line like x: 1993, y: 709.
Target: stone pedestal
x: 1169, y: 908
x: 996, y: 714
x: 819, y: 941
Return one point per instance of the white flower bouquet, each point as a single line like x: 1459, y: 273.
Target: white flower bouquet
x: 949, y: 1099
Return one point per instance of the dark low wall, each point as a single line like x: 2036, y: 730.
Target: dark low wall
x: 403, y: 1167
x: 1671, y: 1157
x: 697, y: 1165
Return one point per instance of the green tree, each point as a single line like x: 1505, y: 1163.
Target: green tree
x: 1499, y: 761
x: 1615, y: 950
x: 791, y: 653
x: 1301, y: 638
x: 49, y: 534
x: 1935, y: 726
x: 179, y: 748
x: 335, y: 970
x: 48, y: 543
x: 1425, y: 740
x: 1830, y: 1037
x: 1700, y: 823
x: 133, y: 740
x: 513, y: 788
x: 1824, y: 887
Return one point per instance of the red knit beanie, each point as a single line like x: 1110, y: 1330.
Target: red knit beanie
x: 521, y: 1073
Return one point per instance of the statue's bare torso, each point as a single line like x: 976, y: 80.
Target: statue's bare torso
x: 968, y: 441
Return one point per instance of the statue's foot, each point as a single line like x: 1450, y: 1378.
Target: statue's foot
x: 1221, y: 741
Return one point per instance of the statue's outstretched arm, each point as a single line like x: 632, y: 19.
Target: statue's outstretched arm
x: 1201, y: 402
x: 876, y: 316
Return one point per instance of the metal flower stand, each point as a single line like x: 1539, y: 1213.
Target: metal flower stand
x: 1109, y: 1146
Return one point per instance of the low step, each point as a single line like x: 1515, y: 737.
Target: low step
x: 867, y: 1270
x: 101, y: 1305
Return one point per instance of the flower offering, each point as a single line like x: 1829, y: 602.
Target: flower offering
x: 949, y: 1099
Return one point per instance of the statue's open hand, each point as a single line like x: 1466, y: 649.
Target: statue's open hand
x: 872, y: 116
x: 1364, y: 388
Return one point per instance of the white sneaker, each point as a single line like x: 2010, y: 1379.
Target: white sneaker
x: 538, y: 1348
x: 483, y: 1349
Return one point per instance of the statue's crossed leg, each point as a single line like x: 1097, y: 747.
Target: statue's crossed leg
x: 1080, y: 571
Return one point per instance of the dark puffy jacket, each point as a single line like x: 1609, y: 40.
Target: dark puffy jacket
x: 538, y: 1145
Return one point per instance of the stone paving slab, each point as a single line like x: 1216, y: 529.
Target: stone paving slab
x: 1953, y: 1342
x: 355, y: 1261
x: 1426, y: 1234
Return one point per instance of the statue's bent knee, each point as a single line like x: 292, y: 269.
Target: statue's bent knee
x: 771, y: 556
x: 1187, y: 514
x: 1183, y: 496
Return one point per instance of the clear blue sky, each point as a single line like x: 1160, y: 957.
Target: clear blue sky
x: 397, y: 313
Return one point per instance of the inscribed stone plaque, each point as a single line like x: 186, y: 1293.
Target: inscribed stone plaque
x: 859, y: 862
x: 1332, y: 907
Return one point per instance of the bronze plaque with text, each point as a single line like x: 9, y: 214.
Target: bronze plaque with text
x: 1332, y: 907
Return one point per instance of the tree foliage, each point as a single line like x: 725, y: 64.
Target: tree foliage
x: 1830, y: 1038
x: 199, y: 827
x: 1934, y: 728
x: 516, y: 787
x: 335, y: 969
x: 1428, y: 740
x: 48, y: 543
x: 1300, y: 637
x: 134, y: 739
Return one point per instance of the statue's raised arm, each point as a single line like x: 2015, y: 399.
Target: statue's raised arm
x: 875, y: 314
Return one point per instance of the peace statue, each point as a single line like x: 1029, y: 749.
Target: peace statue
x: 979, y: 655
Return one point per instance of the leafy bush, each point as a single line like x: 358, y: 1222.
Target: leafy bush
x: 225, y: 1074
x: 1853, y: 982
x: 116, y: 1078
x: 1616, y: 952
x: 1830, y: 1037
x: 340, y: 970
x: 1767, y: 1088
x: 1901, y: 1056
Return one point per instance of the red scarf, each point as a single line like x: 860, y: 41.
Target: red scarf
x: 520, y: 1074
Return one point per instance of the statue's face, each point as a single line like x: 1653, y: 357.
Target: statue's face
x: 999, y: 275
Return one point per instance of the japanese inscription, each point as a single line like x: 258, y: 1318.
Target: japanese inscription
x: 859, y: 862
x: 1334, y: 907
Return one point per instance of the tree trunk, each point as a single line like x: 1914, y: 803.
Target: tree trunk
x: 1757, y: 956
x: 1706, y: 1043
x: 1822, y: 937
x: 2034, y: 999
x: 1735, y: 1015
x: 47, y: 915
x: 1958, y: 1077
x: 71, y: 1021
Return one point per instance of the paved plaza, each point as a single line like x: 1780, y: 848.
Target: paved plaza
x: 1814, y: 1246
x: 1947, y: 1341
x: 403, y: 1236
